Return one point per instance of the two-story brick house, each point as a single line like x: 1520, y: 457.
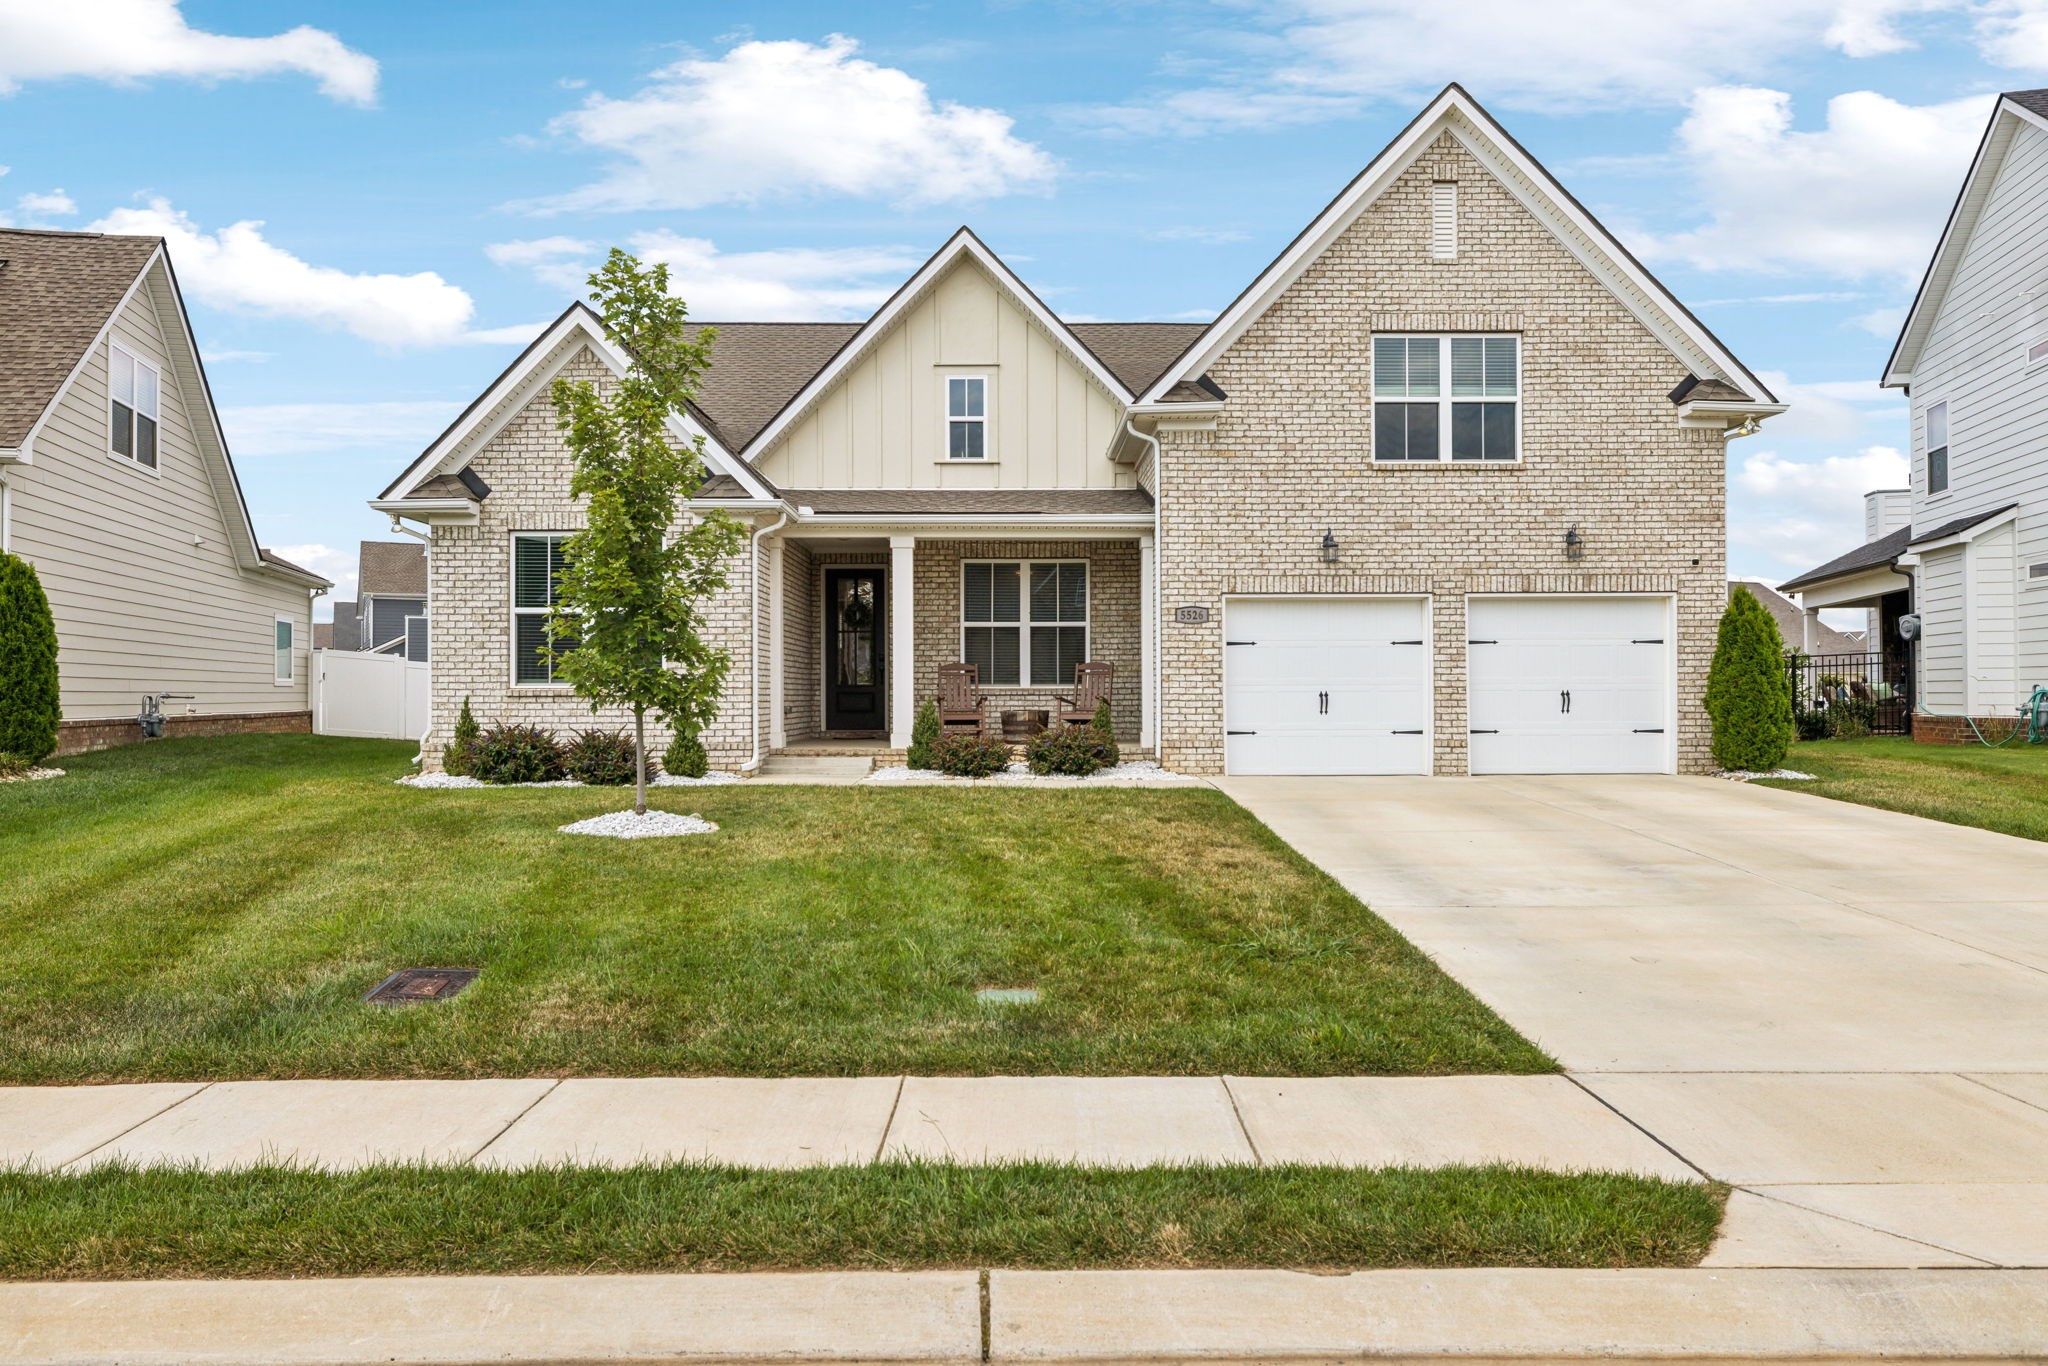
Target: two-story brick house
x: 1441, y: 492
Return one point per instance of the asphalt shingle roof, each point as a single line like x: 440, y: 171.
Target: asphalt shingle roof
x: 397, y: 568
x: 1876, y: 554
x: 57, y: 289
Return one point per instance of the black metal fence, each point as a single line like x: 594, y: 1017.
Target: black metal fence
x: 1849, y: 693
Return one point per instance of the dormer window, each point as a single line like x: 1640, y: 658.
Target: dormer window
x: 132, y: 389
x: 966, y: 417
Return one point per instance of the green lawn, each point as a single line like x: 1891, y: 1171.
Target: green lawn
x: 1998, y: 789
x: 217, y: 908
x: 274, y: 1222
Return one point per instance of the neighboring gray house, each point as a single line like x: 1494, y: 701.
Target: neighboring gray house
x: 391, y: 590
x: 115, y: 483
x: 1440, y: 492
x: 1970, y: 564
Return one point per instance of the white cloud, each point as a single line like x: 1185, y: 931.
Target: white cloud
x: 1208, y: 237
x: 1839, y: 412
x: 238, y: 269
x: 776, y: 120
x: 128, y: 40
x: 1791, y: 515
x: 1882, y: 322
x: 2015, y: 33
x: 50, y: 204
x: 515, y: 334
x: 304, y: 428
x: 795, y: 284
x: 328, y: 563
x: 1863, y: 197
x: 226, y: 357
x: 1829, y: 485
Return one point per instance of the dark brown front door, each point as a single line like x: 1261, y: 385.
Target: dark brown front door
x: 855, y: 670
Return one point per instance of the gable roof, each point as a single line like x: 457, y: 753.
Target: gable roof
x: 1792, y: 622
x: 391, y: 569
x: 1873, y: 555
x: 1456, y: 112
x: 58, y: 291
x: 963, y: 245
x: 2014, y: 108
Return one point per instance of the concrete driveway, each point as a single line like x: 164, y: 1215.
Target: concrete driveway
x: 1841, y: 1011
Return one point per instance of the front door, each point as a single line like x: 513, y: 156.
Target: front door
x: 855, y: 668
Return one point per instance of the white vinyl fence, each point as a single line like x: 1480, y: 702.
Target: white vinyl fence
x: 373, y: 696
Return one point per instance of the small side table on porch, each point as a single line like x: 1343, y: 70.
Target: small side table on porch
x: 1020, y: 726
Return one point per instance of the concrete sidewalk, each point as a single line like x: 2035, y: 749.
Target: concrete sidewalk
x: 1038, y: 1316
x: 1547, y: 1122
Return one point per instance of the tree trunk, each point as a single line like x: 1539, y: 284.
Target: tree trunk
x: 639, y: 761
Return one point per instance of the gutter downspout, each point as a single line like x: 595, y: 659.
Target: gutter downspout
x: 753, y: 763
x: 1152, y: 684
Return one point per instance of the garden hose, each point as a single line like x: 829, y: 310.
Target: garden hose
x: 2028, y: 722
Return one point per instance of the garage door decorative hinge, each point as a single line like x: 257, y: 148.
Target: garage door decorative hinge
x: 1404, y: 642
x: 1240, y: 642
x: 1483, y: 732
x: 1240, y: 732
x: 1405, y: 732
x: 1649, y: 730
x: 1482, y: 642
x: 1658, y: 641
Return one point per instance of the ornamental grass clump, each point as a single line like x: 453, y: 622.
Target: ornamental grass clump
x: 1749, y: 691
x: 29, y: 707
x: 970, y: 755
x: 516, y: 754
x: 602, y: 758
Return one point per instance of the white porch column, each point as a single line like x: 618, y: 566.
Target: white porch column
x: 902, y: 641
x: 778, y: 730
x: 1148, y: 644
x: 1809, y: 624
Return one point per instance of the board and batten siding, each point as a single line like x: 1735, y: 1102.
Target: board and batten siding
x: 883, y: 424
x: 1975, y: 360
x: 141, y: 576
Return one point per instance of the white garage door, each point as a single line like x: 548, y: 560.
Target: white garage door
x: 1569, y: 685
x: 1325, y: 685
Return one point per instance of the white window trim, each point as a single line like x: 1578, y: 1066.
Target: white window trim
x: 1444, y: 400
x: 516, y: 611
x: 2028, y: 362
x: 1927, y: 450
x: 1025, y: 623
x: 291, y: 654
x: 988, y: 428
x: 155, y: 471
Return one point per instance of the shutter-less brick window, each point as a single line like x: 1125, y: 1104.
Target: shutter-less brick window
x: 1443, y: 220
x: 1416, y: 416
x: 1024, y: 622
x: 536, y: 569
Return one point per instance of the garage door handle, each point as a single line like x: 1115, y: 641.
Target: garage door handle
x: 1649, y: 730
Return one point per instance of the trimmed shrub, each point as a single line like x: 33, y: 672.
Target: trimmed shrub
x: 1749, y: 696
x: 455, y: 759
x: 1812, y: 724
x: 602, y: 758
x: 970, y: 756
x: 516, y: 754
x: 1102, y: 726
x: 29, y: 705
x: 1069, y: 751
x: 686, y: 757
x: 13, y: 765
x: 1851, y: 718
x: 924, y: 732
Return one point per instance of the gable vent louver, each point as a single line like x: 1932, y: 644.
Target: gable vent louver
x: 1443, y: 217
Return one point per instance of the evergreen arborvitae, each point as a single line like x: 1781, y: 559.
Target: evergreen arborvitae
x: 1749, y: 690
x: 924, y: 733
x: 29, y: 705
x: 455, y: 760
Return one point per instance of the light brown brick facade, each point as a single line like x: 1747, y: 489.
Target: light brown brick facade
x: 1243, y: 508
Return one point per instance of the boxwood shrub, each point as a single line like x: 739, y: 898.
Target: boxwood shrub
x: 686, y: 757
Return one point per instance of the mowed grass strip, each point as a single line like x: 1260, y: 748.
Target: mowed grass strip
x: 114, y: 1223
x: 2004, y: 789
x: 212, y: 909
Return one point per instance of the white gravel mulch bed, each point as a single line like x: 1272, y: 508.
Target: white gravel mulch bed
x: 1139, y: 772
x: 627, y: 825
x: 659, y: 780
x: 32, y: 775
x: 1743, y: 775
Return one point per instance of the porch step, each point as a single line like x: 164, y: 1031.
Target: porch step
x: 816, y: 768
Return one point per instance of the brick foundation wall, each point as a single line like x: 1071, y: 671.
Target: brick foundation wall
x: 1955, y: 730
x: 80, y: 737
x: 1243, y: 508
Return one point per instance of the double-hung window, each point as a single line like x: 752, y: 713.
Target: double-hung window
x: 966, y: 417
x: 537, y: 562
x: 132, y: 390
x: 1937, y: 448
x: 1446, y: 398
x: 1024, y: 622
x: 281, y: 644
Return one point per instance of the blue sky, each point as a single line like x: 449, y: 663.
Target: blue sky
x: 372, y: 206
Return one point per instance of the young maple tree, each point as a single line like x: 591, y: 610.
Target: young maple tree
x: 628, y: 623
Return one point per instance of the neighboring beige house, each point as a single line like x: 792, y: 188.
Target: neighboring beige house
x: 1813, y: 637
x: 115, y: 484
x: 1441, y: 492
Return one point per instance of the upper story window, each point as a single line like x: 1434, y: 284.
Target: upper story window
x: 1937, y: 448
x: 1446, y: 398
x: 1024, y: 622
x: 537, y: 562
x: 132, y: 388
x: 966, y: 417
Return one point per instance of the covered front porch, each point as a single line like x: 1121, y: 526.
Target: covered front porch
x: 859, y: 620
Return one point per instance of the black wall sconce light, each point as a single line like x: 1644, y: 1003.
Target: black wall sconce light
x: 1574, y: 545
x: 1329, y: 548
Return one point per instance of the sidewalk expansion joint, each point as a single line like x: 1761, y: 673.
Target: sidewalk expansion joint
x: 986, y: 1333
x: 116, y: 1138
x: 1705, y: 1175
x: 527, y: 1110
x: 1764, y: 1193
x: 1258, y: 1158
x: 889, y: 1124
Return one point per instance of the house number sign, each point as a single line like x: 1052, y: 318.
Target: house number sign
x: 1191, y: 616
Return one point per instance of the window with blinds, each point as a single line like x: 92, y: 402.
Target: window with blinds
x: 1024, y: 623
x: 537, y: 562
x: 1446, y: 398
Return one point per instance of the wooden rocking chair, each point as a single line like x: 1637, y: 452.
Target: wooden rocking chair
x: 1091, y: 686
x: 960, y: 699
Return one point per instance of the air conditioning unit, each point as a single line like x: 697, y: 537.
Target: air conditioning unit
x: 1909, y: 627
